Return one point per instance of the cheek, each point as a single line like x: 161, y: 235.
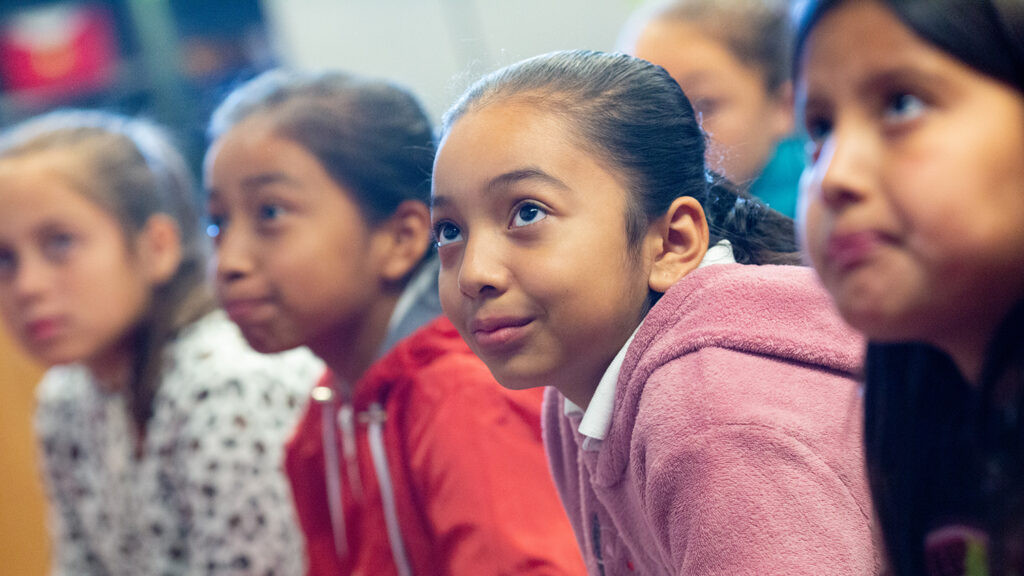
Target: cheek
x: 8, y: 312
x: 448, y: 289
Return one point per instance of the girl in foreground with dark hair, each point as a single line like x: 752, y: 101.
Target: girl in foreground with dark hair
x: 704, y: 415
x: 915, y: 223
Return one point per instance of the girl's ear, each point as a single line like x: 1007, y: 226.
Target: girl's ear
x: 159, y: 248
x: 406, y: 237
x: 678, y: 240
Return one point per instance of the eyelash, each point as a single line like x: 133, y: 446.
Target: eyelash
x: 438, y: 232
x: 900, y: 99
x: 439, y: 229
x: 8, y: 262
x: 518, y: 210
x: 58, y: 245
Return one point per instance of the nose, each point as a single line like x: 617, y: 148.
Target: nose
x: 483, y: 270
x: 32, y: 278
x: 845, y: 170
x: 233, y: 256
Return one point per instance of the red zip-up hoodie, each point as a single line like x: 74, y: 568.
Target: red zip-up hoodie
x: 435, y: 469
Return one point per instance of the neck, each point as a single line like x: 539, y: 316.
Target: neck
x: 968, y: 350
x: 349, y: 349
x: 112, y: 369
x: 581, y: 390
x: 580, y: 393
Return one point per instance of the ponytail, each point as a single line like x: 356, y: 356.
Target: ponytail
x: 758, y: 234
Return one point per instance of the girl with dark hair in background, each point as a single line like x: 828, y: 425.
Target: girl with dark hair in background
x: 411, y: 459
x: 160, y: 428
x: 703, y: 416
x: 914, y: 219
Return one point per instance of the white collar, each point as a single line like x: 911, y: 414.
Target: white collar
x: 597, y: 418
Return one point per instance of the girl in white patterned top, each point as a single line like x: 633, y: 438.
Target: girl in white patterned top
x: 160, y: 429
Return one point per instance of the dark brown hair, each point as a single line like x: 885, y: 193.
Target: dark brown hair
x: 632, y: 115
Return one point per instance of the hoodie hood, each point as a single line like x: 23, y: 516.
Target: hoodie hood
x: 437, y: 339
x: 775, y: 311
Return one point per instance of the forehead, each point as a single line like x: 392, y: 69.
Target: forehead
x: 513, y: 135
x: 60, y: 171
x: 247, y: 147
x: 691, y: 53
x: 40, y: 189
x: 835, y: 46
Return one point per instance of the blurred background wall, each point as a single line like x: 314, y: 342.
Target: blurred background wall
x: 23, y: 544
x: 173, y: 61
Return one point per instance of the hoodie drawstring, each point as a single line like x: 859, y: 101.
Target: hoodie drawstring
x: 376, y: 418
x: 346, y: 421
x: 324, y: 395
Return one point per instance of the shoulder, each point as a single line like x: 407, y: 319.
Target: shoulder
x: 719, y: 386
x: 62, y: 396
x: 780, y: 312
x: 210, y: 361
x: 212, y: 351
x: 746, y: 285
x: 64, y: 385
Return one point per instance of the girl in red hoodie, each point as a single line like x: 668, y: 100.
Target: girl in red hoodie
x: 410, y: 459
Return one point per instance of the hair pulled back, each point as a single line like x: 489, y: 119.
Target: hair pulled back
x: 634, y: 117
x: 372, y: 136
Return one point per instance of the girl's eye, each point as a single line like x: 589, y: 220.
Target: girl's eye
x: 528, y: 214
x: 446, y: 233
x: 706, y: 107
x: 56, y: 246
x: 818, y: 130
x: 7, y: 263
x: 270, y: 211
x: 903, y: 107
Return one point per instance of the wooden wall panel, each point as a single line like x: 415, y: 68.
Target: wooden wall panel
x: 24, y: 549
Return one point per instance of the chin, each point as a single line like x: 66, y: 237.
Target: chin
x: 266, y: 343
x: 49, y: 356
x: 514, y: 380
x: 879, y: 327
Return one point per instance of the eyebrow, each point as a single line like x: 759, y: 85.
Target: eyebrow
x: 697, y: 79
x: 508, y: 179
x: 257, y: 181
x: 266, y: 179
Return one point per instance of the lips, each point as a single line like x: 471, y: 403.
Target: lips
x: 498, y: 334
x: 43, y: 329
x: 845, y: 251
x: 247, y: 310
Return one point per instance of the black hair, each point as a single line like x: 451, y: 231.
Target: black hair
x: 987, y: 35
x: 938, y: 448
x: 372, y: 136
x: 634, y: 117
x: 134, y: 171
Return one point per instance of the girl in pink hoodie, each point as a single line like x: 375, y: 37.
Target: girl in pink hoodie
x: 704, y: 416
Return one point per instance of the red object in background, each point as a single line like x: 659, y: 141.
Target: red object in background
x: 58, y: 50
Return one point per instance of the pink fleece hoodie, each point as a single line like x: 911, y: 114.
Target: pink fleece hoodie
x: 735, y: 441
